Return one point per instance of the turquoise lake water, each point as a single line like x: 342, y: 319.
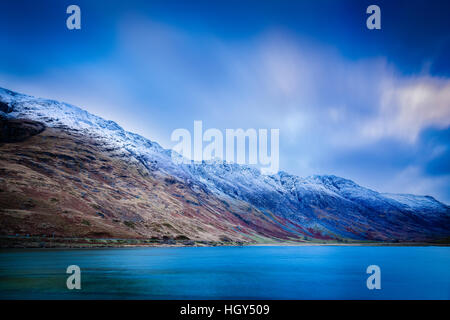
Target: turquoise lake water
x: 313, y: 272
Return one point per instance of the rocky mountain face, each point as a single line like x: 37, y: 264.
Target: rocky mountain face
x: 65, y: 172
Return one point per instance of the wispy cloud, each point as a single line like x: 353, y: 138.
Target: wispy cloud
x: 327, y: 106
x: 410, y: 106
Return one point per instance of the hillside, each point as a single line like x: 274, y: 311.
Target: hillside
x: 67, y: 173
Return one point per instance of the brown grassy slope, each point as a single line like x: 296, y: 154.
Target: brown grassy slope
x: 59, y: 182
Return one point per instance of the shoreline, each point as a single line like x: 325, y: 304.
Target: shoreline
x: 8, y: 242
x: 356, y: 244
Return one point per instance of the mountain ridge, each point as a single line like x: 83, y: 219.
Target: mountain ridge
x: 318, y: 206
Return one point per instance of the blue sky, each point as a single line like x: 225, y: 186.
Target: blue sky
x: 372, y: 106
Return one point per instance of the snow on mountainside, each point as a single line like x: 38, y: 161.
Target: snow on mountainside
x: 414, y: 202
x: 330, y: 205
x: 62, y: 115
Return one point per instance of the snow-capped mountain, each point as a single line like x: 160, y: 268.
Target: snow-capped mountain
x: 237, y: 200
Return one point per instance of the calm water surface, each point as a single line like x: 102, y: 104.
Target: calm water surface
x: 320, y: 272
